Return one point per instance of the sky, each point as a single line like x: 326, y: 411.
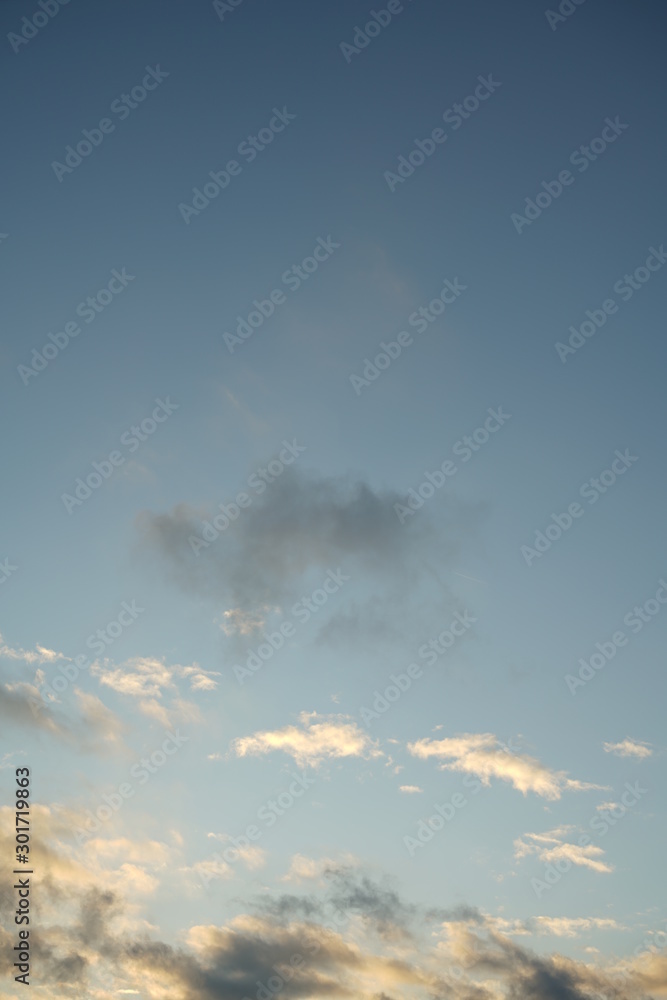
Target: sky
x: 332, y: 577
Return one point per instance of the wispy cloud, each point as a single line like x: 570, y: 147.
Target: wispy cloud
x: 304, y: 869
x: 571, y: 926
x: 629, y: 748
x: 6, y: 759
x: 568, y: 927
x: 236, y: 621
x: 40, y: 654
x: 147, y: 679
x: 551, y: 846
x: 87, y: 724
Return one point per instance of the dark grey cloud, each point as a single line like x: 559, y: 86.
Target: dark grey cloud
x: 302, y: 522
x: 349, y: 893
x: 280, y: 547
x: 82, y: 721
x: 456, y: 914
x: 378, y: 904
x: 230, y: 961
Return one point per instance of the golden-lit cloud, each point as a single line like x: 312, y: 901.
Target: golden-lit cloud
x: 629, y: 748
x: 94, y: 942
x: 304, y: 869
x: 482, y: 755
x: 147, y: 679
x: 40, y: 654
x: 236, y: 621
x: 551, y: 846
x: 317, y: 738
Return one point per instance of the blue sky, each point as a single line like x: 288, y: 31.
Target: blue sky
x: 329, y: 440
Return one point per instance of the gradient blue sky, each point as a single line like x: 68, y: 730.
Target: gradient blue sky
x: 323, y: 177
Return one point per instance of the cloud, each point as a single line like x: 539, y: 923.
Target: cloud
x: 303, y: 868
x: 629, y: 748
x: 651, y: 972
x: 283, y: 543
x: 379, y: 905
x: 39, y: 655
x: 571, y: 926
x: 99, y: 720
x: 253, y: 857
x: 516, y: 973
x: 318, y: 738
x: 236, y: 621
x: 140, y: 677
x: 554, y: 926
x: 410, y: 789
x: 207, y: 869
x: 116, y: 866
x: 6, y: 759
x: 483, y: 755
x: 320, y: 870
x: 359, y: 940
x: 146, y: 679
x: 551, y: 846
x: 360, y: 902
x: 94, y: 727
x: 89, y: 723
x: 15, y: 709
